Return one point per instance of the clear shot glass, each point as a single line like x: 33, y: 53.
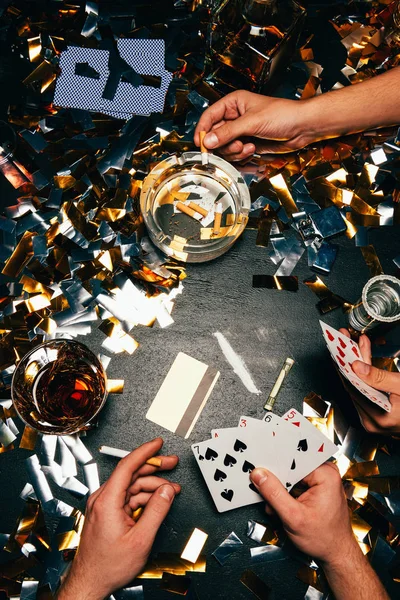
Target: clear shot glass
x: 379, y: 303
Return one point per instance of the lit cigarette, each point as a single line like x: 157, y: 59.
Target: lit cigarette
x: 198, y: 208
x: 289, y: 362
x: 185, y: 209
x: 217, y: 219
x: 154, y: 461
x: 204, y: 151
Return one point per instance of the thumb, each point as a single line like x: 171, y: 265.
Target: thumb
x: 276, y: 495
x: 229, y: 131
x: 155, y: 512
x: 377, y: 378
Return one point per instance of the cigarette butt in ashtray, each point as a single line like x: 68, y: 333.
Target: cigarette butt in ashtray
x: 185, y: 209
x: 217, y: 219
x: 203, y: 149
x: 198, y: 209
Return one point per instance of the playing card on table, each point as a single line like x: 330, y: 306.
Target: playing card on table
x: 344, y: 352
x: 313, y: 447
x: 226, y: 464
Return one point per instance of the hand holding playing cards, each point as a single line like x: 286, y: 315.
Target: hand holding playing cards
x: 372, y: 417
x: 318, y: 524
x: 114, y: 548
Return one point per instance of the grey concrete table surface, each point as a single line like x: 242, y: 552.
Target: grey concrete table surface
x: 264, y: 327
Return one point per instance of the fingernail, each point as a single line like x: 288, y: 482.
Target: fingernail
x: 167, y: 492
x: 211, y: 140
x: 362, y: 368
x: 361, y: 341
x: 258, y: 476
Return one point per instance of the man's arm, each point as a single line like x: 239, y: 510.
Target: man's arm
x: 351, y: 576
x: 318, y: 524
x: 278, y: 125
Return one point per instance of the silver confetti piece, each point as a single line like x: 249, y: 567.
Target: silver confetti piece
x: 6, y: 435
x: 74, y: 486
x: 267, y: 554
x: 29, y: 590
x: 78, y: 449
x: 68, y: 462
x: 230, y: 545
x: 48, y: 449
x: 38, y: 479
x: 91, y: 475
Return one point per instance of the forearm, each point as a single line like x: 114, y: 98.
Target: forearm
x: 372, y: 103
x: 351, y: 576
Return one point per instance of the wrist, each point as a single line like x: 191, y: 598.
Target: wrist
x: 346, y: 554
x: 78, y: 586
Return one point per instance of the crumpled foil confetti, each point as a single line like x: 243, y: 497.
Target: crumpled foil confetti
x: 74, y: 255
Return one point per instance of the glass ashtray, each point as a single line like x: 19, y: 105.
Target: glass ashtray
x: 194, y: 212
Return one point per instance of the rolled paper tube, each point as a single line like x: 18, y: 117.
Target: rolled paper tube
x: 198, y: 208
x: 185, y: 209
x: 217, y: 219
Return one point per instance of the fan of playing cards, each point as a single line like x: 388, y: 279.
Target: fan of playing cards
x: 289, y: 446
x: 344, y: 352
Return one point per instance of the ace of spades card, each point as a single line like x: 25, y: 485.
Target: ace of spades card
x: 226, y: 464
x: 313, y: 448
x: 344, y: 352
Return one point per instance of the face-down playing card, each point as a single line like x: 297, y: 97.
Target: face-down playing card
x: 344, y: 352
x: 226, y: 464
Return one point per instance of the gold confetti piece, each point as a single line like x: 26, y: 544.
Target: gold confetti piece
x: 29, y: 437
x: 34, y: 48
x: 21, y: 255
x: 175, y: 584
x: 178, y: 243
x: 360, y: 527
x: 343, y: 464
x: 45, y: 73
x: 194, y: 546
x: 362, y: 469
x: 256, y: 585
x: 115, y: 386
x: 106, y: 260
x: 198, y: 209
x: 230, y: 219
x: 284, y: 196
x: 168, y: 562
x: 368, y: 448
x: 309, y: 576
x: 372, y: 260
x: 328, y: 300
x: 360, y: 491
x: 317, y: 404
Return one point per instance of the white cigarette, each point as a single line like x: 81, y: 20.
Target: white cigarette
x: 113, y: 451
x: 154, y: 461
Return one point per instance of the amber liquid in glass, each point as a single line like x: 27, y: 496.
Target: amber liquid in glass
x: 61, y: 396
